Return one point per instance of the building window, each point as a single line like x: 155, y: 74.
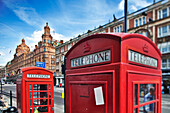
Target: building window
x: 136, y: 21
x: 164, y: 13
x: 140, y: 21
x: 115, y: 29
x: 47, y: 67
x: 159, y: 14
x: 169, y: 11
x: 47, y: 49
x: 69, y: 46
x: 47, y: 41
x: 57, y: 51
x: 164, y: 30
x: 57, y: 59
x: 164, y: 47
x: 52, y: 56
x: 52, y: 61
x: 168, y: 46
x: 57, y: 67
x: 144, y: 20
x: 168, y: 63
x: 164, y: 63
x: 159, y: 31
x: 44, y: 49
x: 62, y: 49
x: 120, y: 28
x: 47, y: 61
x: 44, y: 40
x: 52, y: 67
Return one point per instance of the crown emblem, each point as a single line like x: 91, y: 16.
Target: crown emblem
x: 145, y: 48
x: 86, y: 48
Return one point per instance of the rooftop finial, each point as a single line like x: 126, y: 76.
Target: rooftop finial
x: 23, y: 40
x: 47, y: 24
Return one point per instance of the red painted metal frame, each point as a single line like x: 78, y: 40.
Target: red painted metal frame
x: 23, y: 83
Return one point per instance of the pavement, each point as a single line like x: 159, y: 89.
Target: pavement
x: 59, y: 102
x: 165, y: 103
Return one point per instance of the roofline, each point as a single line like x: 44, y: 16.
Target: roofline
x: 115, y: 21
x: 33, y: 68
x: 122, y: 36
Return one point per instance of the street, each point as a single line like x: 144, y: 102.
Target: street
x: 59, y: 101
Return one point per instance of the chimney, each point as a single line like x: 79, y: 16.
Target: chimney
x: 61, y: 41
x: 36, y: 46
x: 39, y: 43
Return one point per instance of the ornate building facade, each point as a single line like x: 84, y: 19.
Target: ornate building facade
x: 43, y: 52
x: 152, y: 21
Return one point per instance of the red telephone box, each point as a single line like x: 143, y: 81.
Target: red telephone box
x: 113, y: 73
x: 35, y: 90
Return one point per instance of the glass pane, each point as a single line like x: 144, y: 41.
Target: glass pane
x: 30, y: 87
x: 30, y: 94
x: 49, y: 94
x: 136, y: 110
x: 49, y: 101
x: 36, y: 94
x: 39, y: 94
x: 49, y: 86
x: 30, y: 102
x: 42, y: 109
x: 147, y: 93
x: 38, y: 87
x: 157, y: 91
x: 147, y: 108
x: 30, y: 110
x: 40, y: 102
x: 157, y: 107
x: 135, y: 94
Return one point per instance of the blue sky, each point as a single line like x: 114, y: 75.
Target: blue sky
x: 67, y: 19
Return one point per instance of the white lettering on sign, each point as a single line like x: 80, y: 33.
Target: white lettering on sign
x: 102, y: 56
x: 142, y: 59
x: 37, y: 76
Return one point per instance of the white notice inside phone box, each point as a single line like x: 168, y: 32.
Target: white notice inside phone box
x: 99, y: 96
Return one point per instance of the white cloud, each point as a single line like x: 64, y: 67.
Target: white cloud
x: 1, y: 53
x: 134, y: 4
x: 134, y: 8
x: 36, y: 36
x: 6, y: 55
x: 121, y: 5
x: 29, y: 15
x: 25, y: 13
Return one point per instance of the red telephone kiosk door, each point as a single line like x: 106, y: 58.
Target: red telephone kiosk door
x: 39, y: 97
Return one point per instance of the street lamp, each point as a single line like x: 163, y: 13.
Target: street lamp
x: 148, y: 20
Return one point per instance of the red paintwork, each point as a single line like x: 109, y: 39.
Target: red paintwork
x: 117, y: 76
x: 23, y: 101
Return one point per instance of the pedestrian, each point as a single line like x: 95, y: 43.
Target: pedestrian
x: 149, y: 97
